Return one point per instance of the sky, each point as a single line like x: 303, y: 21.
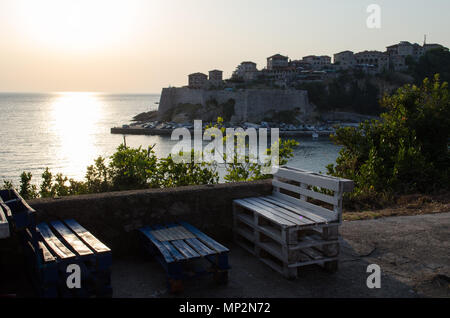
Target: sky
x: 141, y: 46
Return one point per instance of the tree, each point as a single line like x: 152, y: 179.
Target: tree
x: 406, y: 151
x: 436, y: 61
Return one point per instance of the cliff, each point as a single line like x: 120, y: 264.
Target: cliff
x: 254, y: 105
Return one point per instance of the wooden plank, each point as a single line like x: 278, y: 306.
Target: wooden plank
x: 296, y: 209
x: 347, y: 185
x: 263, y: 229
x: 285, y: 214
x: 312, y: 194
x: 205, y: 239
x: 311, y: 241
x: 191, y: 241
x: 200, y: 248
x: 310, y: 262
x: 164, y: 251
x: 46, y: 255
x: 185, y: 249
x: 173, y: 251
x: 274, y: 250
x: 313, y: 179
x: 268, y: 215
x: 246, y: 234
x: 324, y: 213
x: 53, y: 243
x: 172, y: 232
x: 4, y: 225
x: 304, y: 220
x: 71, y: 239
x: 6, y: 209
x: 87, y: 237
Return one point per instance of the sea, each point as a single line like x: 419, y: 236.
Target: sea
x: 67, y: 131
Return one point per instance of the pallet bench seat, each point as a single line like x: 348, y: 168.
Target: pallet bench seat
x: 59, y: 244
x: 22, y: 215
x: 4, y: 224
x: 295, y: 226
x: 177, y: 245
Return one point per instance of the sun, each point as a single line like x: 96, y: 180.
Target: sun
x: 77, y: 24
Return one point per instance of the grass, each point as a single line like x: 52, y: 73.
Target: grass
x: 416, y: 204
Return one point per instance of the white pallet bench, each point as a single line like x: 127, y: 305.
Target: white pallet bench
x: 295, y: 226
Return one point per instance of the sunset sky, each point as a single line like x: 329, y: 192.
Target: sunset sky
x: 133, y: 46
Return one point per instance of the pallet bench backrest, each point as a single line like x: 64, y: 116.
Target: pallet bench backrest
x: 296, y: 185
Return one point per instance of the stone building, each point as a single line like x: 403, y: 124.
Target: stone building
x: 215, y: 77
x: 317, y: 62
x: 405, y: 48
x: 380, y: 60
x: 345, y: 60
x: 247, y: 71
x: 197, y: 80
x: 277, y: 62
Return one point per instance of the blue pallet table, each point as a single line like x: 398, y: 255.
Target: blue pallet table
x: 176, y: 246
x: 60, y: 244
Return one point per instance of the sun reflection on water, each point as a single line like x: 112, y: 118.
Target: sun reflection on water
x: 75, y: 118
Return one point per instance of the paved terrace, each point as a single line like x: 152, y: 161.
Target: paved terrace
x: 412, y: 251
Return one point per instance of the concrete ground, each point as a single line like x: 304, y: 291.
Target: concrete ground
x: 412, y: 251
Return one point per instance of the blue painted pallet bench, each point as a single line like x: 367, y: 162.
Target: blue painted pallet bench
x: 175, y: 246
x: 5, y: 213
x: 56, y: 246
x: 21, y: 214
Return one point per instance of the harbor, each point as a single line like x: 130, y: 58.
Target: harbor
x: 140, y: 130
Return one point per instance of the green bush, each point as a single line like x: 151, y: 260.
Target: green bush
x: 432, y: 62
x: 406, y: 151
x: 138, y: 168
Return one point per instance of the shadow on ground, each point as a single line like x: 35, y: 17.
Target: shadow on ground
x: 412, y: 251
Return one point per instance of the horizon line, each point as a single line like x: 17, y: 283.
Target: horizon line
x: 72, y: 92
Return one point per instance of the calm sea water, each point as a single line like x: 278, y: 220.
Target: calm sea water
x: 67, y: 131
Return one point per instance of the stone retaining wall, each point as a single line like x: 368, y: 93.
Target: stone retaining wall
x: 114, y: 217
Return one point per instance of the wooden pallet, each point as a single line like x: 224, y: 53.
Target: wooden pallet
x: 288, y: 229
x: 4, y: 224
x: 22, y: 215
x: 177, y: 246
x: 56, y: 246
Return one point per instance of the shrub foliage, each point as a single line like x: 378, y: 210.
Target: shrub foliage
x: 406, y: 151
x: 138, y: 168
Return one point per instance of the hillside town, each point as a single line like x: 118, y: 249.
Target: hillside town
x: 280, y: 95
x: 282, y: 71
